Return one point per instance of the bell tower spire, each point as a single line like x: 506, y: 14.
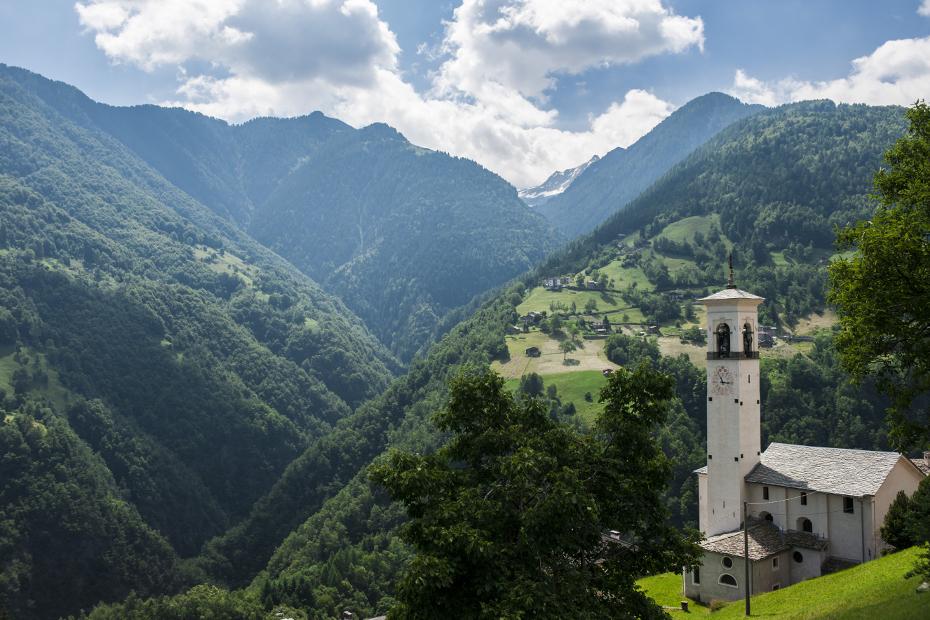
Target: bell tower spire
x: 730, y: 282
x: 733, y: 407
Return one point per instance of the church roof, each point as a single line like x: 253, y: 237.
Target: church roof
x: 922, y: 465
x: 765, y: 539
x: 826, y: 470
x: 730, y: 293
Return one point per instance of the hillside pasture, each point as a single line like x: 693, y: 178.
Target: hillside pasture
x: 685, y: 228
x: 589, y: 356
x: 540, y: 300
x: 572, y: 387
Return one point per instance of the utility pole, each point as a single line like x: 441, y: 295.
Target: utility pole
x: 746, y: 586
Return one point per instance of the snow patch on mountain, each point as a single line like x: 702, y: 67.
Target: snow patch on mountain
x: 557, y: 183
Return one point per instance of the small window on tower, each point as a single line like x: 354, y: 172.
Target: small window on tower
x: 765, y: 492
x: 803, y: 498
x: 696, y: 576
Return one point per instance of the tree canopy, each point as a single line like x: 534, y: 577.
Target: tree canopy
x: 882, y: 290
x: 520, y: 516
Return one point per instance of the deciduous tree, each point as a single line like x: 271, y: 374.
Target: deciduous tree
x: 882, y: 290
x: 511, y: 518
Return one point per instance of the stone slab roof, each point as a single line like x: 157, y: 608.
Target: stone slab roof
x: 701, y: 470
x: 839, y: 471
x: 922, y: 465
x: 765, y: 540
x: 730, y: 293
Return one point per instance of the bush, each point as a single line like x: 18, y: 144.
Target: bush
x: 895, y: 530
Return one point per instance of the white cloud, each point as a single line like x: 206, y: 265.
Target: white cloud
x: 896, y: 73
x: 924, y: 8
x: 279, y: 41
x: 244, y: 58
x: 522, y: 44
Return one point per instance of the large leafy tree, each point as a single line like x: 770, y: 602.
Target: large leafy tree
x: 882, y: 290
x: 511, y: 518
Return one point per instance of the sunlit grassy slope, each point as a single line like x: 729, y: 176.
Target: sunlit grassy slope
x: 875, y: 590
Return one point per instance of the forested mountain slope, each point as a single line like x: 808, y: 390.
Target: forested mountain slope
x: 607, y: 185
x: 402, y: 234
x: 158, y: 368
x: 778, y: 183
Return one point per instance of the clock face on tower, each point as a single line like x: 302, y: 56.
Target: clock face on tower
x: 721, y: 381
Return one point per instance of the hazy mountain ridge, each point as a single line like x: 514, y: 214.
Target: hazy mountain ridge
x: 609, y: 184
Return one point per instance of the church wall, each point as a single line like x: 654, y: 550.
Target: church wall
x: 903, y: 477
x: 765, y: 575
x: 847, y: 531
x: 774, y: 505
x: 816, y: 510
x: 711, y: 588
x: 808, y: 567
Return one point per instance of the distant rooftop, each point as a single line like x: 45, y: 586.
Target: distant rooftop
x: 731, y: 293
x: 827, y: 470
x: 765, y: 540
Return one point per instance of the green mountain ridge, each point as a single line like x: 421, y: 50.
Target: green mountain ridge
x: 179, y: 363
x: 402, y: 234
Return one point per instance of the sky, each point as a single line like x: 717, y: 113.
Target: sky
x: 524, y: 87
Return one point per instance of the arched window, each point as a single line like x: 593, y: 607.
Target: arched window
x: 727, y: 580
x: 805, y: 525
x: 723, y: 340
x: 747, y: 338
x: 767, y: 516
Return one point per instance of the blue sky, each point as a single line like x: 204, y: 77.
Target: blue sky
x: 522, y: 86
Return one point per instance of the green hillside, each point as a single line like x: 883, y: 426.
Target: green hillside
x: 159, y: 370
x: 873, y: 589
x: 400, y: 233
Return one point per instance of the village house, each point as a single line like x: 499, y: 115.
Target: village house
x: 808, y: 510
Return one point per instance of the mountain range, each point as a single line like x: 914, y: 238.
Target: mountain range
x: 610, y: 183
x: 400, y: 233
x: 208, y: 332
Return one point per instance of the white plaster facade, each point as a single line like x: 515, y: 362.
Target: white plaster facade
x: 825, y: 504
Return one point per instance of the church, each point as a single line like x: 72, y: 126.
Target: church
x: 808, y: 510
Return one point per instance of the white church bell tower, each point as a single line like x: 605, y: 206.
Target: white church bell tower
x: 733, y: 409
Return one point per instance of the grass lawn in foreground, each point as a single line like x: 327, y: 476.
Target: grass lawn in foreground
x: 875, y: 590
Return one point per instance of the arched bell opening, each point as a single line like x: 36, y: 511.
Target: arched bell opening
x: 723, y: 340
